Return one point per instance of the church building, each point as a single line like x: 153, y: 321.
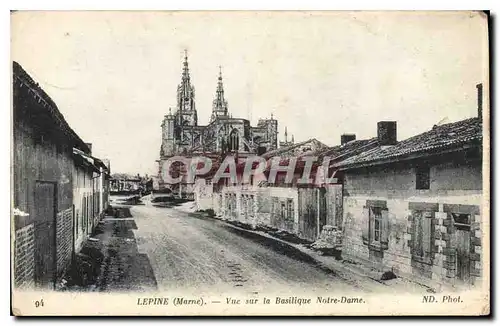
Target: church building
x: 182, y: 135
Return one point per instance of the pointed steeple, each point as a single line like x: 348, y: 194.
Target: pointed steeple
x: 219, y: 105
x: 185, y: 75
x: 186, y: 108
x: 286, y: 142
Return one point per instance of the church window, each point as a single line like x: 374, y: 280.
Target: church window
x: 234, y: 140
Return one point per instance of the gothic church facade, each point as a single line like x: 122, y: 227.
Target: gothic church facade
x: 181, y: 134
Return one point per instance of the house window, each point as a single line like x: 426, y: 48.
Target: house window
x: 289, y: 208
x: 77, y: 230
x: 422, y: 177
x: 376, y: 221
x: 461, y: 221
x: 283, y: 210
x: 375, y: 229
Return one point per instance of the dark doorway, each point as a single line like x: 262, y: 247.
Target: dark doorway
x: 45, y: 234
x: 462, y: 243
x: 322, y: 213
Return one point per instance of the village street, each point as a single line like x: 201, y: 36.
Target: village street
x: 167, y: 249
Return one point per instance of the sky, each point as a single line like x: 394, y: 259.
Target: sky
x: 114, y: 75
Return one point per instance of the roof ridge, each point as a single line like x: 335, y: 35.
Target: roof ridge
x: 454, y: 122
x: 437, y: 139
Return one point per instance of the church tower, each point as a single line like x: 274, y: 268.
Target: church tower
x: 219, y: 105
x: 186, y: 109
x: 168, y: 140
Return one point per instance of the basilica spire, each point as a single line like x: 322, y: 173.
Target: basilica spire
x: 185, y: 69
x: 219, y: 105
x: 186, y: 80
x: 185, y: 97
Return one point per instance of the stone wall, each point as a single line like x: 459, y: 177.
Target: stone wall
x: 263, y: 206
x: 64, y: 239
x: 240, y: 203
x: 24, y: 256
x: 255, y: 205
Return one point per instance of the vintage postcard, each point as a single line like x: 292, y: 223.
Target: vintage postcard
x: 248, y: 163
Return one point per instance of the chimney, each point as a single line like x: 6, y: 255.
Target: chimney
x: 387, y: 133
x: 89, y: 145
x: 479, y: 100
x: 345, y: 138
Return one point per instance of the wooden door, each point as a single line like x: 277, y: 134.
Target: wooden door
x: 45, y: 234
x: 463, y: 254
x: 461, y: 241
x: 308, y: 210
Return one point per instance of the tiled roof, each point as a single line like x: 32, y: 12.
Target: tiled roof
x: 89, y: 159
x: 83, y: 159
x: 354, y: 147
x: 21, y: 77
x: 315, y: 145
x: 434, y: 141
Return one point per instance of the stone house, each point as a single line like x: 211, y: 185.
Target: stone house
x: 414, y: 206
x: 306, y: 209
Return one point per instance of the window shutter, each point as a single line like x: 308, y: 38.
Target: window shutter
x: 384, y: 239
x: 417, y: 249
x: 365, y: 225
x: 427, y: 235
